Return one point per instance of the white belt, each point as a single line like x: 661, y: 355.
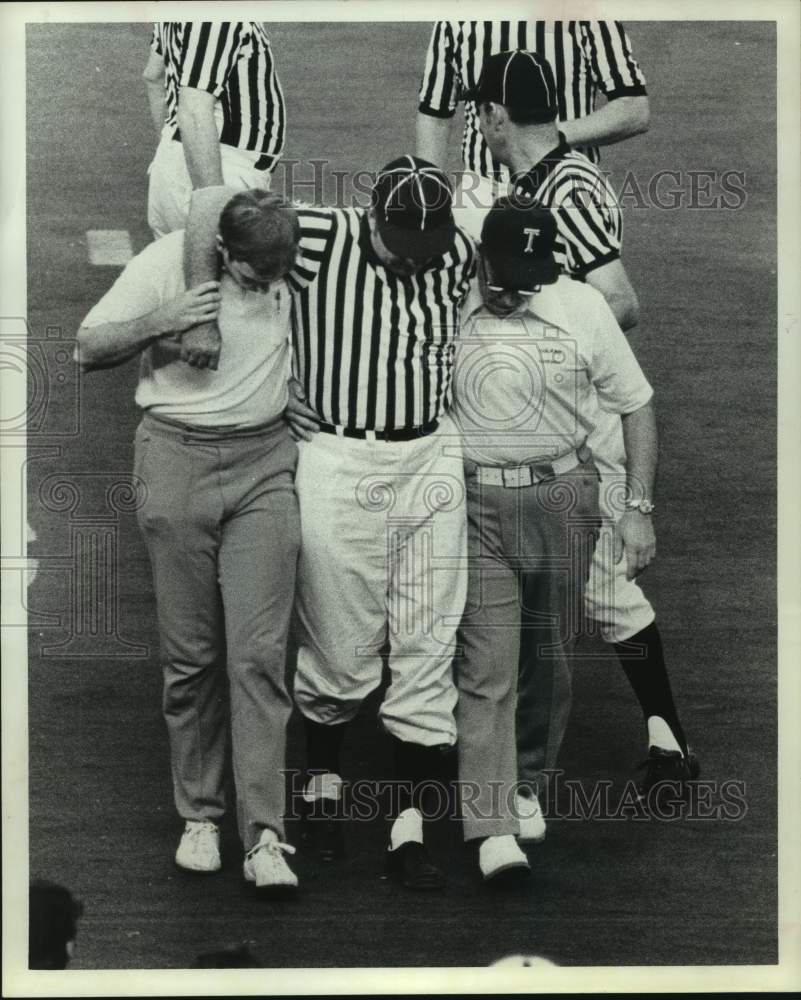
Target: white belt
x: 517, y: 476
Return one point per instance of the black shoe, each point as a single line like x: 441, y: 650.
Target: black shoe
x: 670, y: 767
x: 323, y: 837
x: 411, y: 864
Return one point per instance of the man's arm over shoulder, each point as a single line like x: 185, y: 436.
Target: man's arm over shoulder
x: 209, y: 53
x: 202, y: 343
x: 316, y: 228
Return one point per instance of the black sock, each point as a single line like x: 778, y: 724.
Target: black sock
x: 418, y: 769
x: 649, y: 680
x: 323, y: 744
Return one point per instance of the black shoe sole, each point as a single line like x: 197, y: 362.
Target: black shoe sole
x: 410, y: 865
x: 508, y: 878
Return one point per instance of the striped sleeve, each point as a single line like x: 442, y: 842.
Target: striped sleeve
x: 155, y: 40
x: 612, y: 64
x: 209, y: 54
x: 439, y: 91
x: 316, y: 227
x: 588, y: 219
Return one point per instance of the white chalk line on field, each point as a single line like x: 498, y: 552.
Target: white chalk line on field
x: 109, y: 247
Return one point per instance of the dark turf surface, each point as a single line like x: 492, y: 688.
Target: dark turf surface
x: 603, y: 893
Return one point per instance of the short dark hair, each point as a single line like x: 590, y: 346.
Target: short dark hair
x: 261, y: 229
x: 53, y: 915
x: 520, y: 117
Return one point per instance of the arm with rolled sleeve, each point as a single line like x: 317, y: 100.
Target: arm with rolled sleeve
x: 439, y: 94
x: 607, y: 52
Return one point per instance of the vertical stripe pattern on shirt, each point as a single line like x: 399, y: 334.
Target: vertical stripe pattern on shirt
x: 374, y: 351
x: 587, y: 57
x: 233, y: 61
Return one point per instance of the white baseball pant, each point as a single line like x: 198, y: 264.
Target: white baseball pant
x: 384, y: 553
x: 170, y: 187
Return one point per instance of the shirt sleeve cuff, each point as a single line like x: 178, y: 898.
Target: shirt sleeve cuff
x: 426, y: 109
x: 213, y: 88
x: 636, y: 90
x: 585, y: 269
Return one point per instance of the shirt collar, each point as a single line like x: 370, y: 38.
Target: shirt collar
x: 546, y: 306
x: 527, y: 183
x: 366, y: 244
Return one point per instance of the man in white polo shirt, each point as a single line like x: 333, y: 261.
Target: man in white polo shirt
x: 216, y: 462
x: 537, y: 353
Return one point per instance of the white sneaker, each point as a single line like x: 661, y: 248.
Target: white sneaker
x: 265, y: 864
x: 532, y: 822
x: 501, y: 854
x: 199, y: 850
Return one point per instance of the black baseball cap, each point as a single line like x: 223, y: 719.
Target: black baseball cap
x: 518, y: 243
x: 520, y: 80
x: 413, y: 202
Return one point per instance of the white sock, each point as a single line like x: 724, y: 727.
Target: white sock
x: 661, y: 735
x: 323, y: 786
x: 408, y: 826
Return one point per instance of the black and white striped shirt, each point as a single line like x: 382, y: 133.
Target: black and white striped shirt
x: 374, y: 351
x: 586, y: 57
x: 589, y: 224
x: 233, y: 61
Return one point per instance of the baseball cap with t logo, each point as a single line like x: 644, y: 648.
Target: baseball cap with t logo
x: 412, y: 200
x: 518, y: 244
x: 520, y: 80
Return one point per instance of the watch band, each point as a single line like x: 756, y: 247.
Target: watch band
x: 643, y: 505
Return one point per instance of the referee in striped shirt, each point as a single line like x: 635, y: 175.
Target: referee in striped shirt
x: 589, y: 58
x: 217, y: 104
x: 379, y: 481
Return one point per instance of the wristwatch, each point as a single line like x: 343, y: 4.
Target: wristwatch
x: 643, y: 506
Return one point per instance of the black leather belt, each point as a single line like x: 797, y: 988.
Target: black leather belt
x: 264, y: 162
x: 363, y: 435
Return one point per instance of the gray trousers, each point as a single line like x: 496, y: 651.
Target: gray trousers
x: 530, y: 551
x: 221, y: 525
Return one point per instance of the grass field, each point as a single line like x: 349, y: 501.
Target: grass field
x: 603, y: 893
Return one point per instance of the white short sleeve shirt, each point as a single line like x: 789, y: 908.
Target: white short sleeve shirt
x: 249, y: 388
x: 527, y: 388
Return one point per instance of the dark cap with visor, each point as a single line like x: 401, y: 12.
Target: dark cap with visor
x: 518, y: 243
x: 520, y: 80
x: 412, y: 200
